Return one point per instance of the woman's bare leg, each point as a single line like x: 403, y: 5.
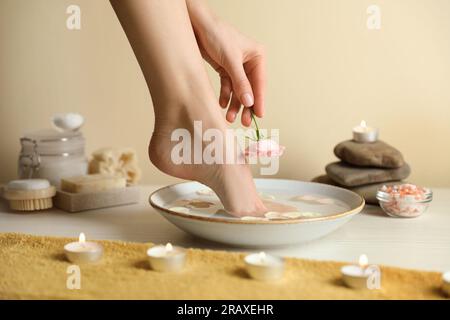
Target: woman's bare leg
x: 163, y: 41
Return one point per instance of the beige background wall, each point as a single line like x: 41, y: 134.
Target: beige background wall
x: 327, y: 71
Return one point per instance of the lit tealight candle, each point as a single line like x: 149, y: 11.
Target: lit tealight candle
x: 166, y: 258
x: 82, y: 251
x: 265, y: 267
x: 355, y: 276
x: 363, y: 133
x: 446, y: 283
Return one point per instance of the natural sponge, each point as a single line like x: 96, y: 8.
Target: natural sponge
x: 116, y: 161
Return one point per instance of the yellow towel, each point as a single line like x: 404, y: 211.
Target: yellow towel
x: 34, y: 267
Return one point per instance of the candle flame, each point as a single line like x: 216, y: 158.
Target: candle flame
x: 169, y: 247
x: 363, y: 124
x: 82, y: 238
x: 363, y: 261
x: 262, y: 256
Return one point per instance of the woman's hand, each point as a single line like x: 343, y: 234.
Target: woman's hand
x: 239, y: 61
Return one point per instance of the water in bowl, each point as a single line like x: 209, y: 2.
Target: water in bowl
x: 204, y: 202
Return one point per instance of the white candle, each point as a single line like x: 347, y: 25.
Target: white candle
x: 166, y: 258
x: 355, y: 276
x: 261, y: 266
x: 363, y: 133
x: 446, y: 283
x: 82, y: 251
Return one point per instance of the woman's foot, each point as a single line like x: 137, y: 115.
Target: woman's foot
x: 233, y: 183
x: 163, y: 40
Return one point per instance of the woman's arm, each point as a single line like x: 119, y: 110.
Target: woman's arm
x: 239, y: 61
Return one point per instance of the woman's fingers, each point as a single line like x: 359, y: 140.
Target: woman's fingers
x: 256, y: 71
x: 225, y: 91
x: 241, y: 85
x: 254, y: 82
x: 246, y: 117
x: 234, y: 108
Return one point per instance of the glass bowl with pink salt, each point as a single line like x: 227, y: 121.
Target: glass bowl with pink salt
x: 404, y: 200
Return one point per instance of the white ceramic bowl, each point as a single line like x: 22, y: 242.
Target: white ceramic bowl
x: 256, y: 233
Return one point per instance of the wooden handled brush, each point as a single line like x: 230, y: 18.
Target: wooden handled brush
x: 29, y: 194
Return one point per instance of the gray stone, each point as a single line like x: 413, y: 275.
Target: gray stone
x: 376, y: 154
x: 368, y: 191
x: 350, y: 176
x: 324, y: 179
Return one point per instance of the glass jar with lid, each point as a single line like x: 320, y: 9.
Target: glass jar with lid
x: 52, y: 155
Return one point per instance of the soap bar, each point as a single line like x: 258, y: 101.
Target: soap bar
x: 92, y: 183
x: 118, y: 161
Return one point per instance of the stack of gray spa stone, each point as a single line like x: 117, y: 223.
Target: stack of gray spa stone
x: 365, y: 167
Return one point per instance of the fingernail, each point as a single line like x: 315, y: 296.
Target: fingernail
x: 247, y: 99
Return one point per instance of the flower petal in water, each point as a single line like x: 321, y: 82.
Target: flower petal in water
x: 180, y: 209
x: 272, y: 215
x: 292, y: 215
x: 310, y: 214
x: 199, y: 204
x: 304, y: 198
x: 325, y: 201
x: 205, y: 192
x: 251, y: 218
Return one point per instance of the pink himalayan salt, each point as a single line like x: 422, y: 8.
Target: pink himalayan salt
x: 404, y: 200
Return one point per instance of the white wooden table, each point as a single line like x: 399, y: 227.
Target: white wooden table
x: 419, y: 243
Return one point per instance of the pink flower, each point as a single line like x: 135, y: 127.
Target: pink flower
x: 264, y: 148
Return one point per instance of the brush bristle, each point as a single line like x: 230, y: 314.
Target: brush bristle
x: 31, y: 205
